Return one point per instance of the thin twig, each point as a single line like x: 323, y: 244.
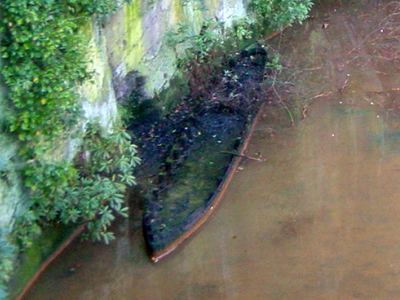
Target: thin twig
x: 324, y: 94
x: 284, y: 105
x: 245, y: 156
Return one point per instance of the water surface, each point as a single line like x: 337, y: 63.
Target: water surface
x: 319, y: 219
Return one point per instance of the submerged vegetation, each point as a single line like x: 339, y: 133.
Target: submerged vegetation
x: 45, y: 59
x: 225, y: 68
x: 277, y: 14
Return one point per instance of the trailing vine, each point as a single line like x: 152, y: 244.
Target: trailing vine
x: 45, y: 59
x: 276, y: 14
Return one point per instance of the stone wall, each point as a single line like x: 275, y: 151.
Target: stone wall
x: 11, y: 195
x: 135, y: 36
x: 127, y: 46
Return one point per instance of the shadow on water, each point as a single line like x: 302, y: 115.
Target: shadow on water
x: 319, y: 219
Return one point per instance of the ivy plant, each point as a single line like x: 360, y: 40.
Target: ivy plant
x: 276, y: 14
x: 44, y: 55
x: 195, y: 47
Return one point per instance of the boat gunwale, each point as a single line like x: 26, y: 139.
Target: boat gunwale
x: 46, y: 263
x: 216, y: 199
x: 158, y: 255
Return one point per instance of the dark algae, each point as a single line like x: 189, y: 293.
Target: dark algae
x: 319, y: 219
x: 187, y: 152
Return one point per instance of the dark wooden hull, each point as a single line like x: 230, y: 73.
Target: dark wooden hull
x: 213, y: 203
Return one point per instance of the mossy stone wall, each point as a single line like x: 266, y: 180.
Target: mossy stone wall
x: 126, y: 46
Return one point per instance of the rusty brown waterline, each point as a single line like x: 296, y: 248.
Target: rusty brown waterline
x: 77, y: 232
x: 216, y: 199
x: 161, y: 254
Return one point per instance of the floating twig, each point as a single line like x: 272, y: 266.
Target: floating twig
x: 245, y: 156
x: 324, y: 94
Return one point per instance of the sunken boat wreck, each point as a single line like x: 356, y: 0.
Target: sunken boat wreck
x: 190, y: 155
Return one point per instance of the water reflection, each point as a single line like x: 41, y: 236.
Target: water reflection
x: 318, y: 220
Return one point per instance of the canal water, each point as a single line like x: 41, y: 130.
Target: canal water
x: 319, y: 218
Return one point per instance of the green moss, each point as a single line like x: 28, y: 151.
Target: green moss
x: 172, y: 96
x: 134, y: 49
x: 193, y: 12
x: 212, y: 5
x: 10, y: 184
x: 45, y: 114
x: 177, y: 14
x: 98, y: 87
x: 34, y: 256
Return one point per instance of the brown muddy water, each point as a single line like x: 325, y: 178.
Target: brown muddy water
x: 319, y: 219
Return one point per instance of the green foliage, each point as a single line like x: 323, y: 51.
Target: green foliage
x: 45, y: 58
x: 44, y: 55
x: 7, y: 255
x: 275, y: 63
x: 243, y: 29
x: 89, y: 191
x: 276, y: 14
x: 106, y: 166
x: 91, y: 7
x: 213, y: 37
x: 195, y: 47
x: 44, y: 52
